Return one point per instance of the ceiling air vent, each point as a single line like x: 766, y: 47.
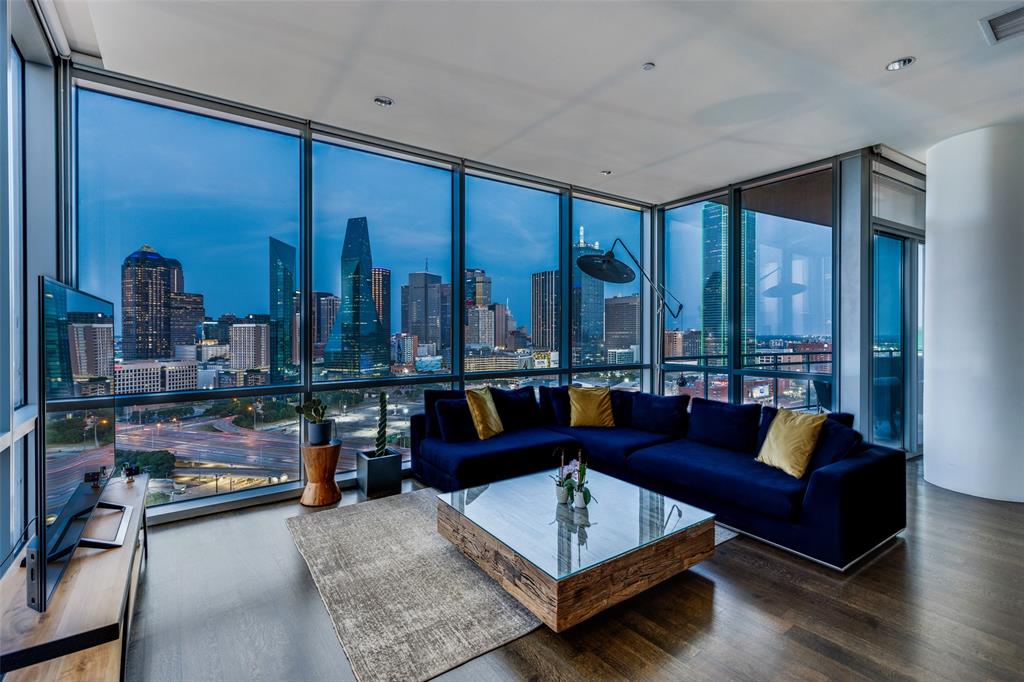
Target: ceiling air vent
x: 1003, y: 25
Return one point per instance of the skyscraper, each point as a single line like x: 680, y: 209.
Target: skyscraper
x: 282, y: 310
x: 91, y: 347
x: 480, y: 326
x: 250, y: 346
x: 504, y: 323
x: 544, y: 309
x: 381, y: 291
x: 325, y: 310
x: 147, y: 280
x: 622, y: 322
x: 715, y: 295
x: 587, y: 308
x: 357, y: 345
x: 478, y: 288
x: 422, y: 308
x: 186, y: 313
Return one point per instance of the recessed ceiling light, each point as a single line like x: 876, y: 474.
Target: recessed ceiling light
x: 900, y: 63
x: 649, y: 66
x: 606, y: 172
x: 383, y: 101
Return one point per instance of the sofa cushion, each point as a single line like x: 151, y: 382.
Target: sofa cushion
x: 517, y: 407
x: 455, y: 420
x: 591, y: 407
x: 622, y: 406
x: 607, y: 449
x: 836, y: 440
x: 661, y: 413
x: 791, y: 441
x: 724, y: 425
x: 722, y: 474
x: 485, y: 414
x: 430, y: 398
x: 558, y: 405
x: 514, y: 453
x: 768, y: 414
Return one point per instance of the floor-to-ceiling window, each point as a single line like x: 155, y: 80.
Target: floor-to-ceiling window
x: 189, y: 221
x: 512, y: 280
x: 695, y: 343
x: 785, y: 290
x: 752, y: 266
x: 382, y: 265
x: 607, y: 329
x: 15, y: 448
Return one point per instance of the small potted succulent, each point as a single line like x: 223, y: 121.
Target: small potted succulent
x: 319, y: 426
x: 379, y: 471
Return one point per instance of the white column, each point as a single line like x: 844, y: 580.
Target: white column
x: 974, y: 314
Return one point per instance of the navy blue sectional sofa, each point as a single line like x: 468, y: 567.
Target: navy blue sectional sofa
x: 851, y: 499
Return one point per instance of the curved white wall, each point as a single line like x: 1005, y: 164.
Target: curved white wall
x: 974, y: 314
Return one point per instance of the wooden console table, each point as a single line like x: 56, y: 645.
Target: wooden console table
x: 83, y: 634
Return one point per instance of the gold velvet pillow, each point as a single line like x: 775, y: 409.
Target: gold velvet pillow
x: 484, y: 413
x: 791, y: 440
x: 590, y: 407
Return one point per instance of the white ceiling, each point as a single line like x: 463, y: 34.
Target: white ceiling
x: 555, y: 88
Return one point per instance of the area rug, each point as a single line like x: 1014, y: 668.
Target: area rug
x: 405, y: 603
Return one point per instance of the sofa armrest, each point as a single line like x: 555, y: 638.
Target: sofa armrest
x: 417, y: 432
x: 858, y: 502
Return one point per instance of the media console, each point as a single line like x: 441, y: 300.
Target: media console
x: 84, y: 632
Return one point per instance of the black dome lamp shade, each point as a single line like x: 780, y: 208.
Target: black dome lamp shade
x: 607, y: 268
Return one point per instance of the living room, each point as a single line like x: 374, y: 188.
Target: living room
x: 385, y: 340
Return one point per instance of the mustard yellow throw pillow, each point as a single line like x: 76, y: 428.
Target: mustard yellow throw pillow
x: 590, y: 407
x: 484, y: 413
x: 791, y: 440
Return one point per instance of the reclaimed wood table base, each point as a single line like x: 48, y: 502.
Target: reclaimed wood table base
x: 511, y: 543
x: 321, y: 462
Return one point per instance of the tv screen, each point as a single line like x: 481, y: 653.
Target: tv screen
x: 76, y: 371
x: 78, y: 335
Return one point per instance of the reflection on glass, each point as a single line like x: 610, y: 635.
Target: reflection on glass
x: 382, y: 299
x: 198, y: 449
x: 512, y: 312
x: 78, y: 343
x: 787, y: 274
x: 190, y: 225
x: 355, y: 412
x: 693, y: 384
x: 559, y: 540
x: 606, y: 318
x: 77, y: 442
x: 887, y: 368
x: 697, y: 269
x: 920, y: 348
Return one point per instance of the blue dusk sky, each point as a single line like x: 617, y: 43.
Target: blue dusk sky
x: 210, y: 193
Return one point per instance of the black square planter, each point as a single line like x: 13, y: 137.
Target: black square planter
x: 379, y: 475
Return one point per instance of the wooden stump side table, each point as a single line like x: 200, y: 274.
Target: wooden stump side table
x: 320, y: 461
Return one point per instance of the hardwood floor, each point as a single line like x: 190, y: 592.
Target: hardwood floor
x: 229, y: 598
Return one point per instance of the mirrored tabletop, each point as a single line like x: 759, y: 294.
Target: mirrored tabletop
x: 524, y: 514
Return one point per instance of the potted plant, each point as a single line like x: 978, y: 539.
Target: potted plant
x: 320, y: 427
x: 379, y: 471
x: 564, y: 478
x: 581, y: 493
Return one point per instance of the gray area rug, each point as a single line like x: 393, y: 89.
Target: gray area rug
x: 405, y: 603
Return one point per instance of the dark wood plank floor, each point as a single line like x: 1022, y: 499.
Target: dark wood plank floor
x: 229, y: 598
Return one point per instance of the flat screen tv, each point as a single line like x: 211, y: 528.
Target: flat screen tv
x: 75, y: 449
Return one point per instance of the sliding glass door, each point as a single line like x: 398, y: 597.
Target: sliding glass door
x: 897, y: 340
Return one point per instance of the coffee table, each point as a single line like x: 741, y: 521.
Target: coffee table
x: 567, y: 565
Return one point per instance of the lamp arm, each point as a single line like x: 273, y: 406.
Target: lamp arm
x: 660, y: 290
